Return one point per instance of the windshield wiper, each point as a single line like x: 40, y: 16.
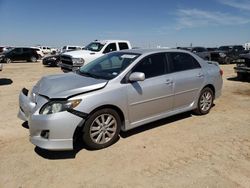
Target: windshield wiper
x: 90, y: 75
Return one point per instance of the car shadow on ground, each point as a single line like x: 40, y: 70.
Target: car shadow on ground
x: 5, y: 81
x: 236, y: 79
x: 78, y: 146
x: 55, y: 155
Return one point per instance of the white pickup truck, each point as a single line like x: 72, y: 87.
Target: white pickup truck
x: 72, y: 61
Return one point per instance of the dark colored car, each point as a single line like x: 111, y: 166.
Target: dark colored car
x: 212, y: 49
x: 52, y: 61
x: 243, y: 66
x: 200, y: 51
x: 227, y: 54
x: 18, y: 54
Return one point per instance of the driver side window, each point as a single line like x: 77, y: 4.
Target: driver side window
x: 17, y: 51
x: 152, y: 66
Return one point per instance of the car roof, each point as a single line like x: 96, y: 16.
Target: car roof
x: 108, y: 41
x: 154, y: 50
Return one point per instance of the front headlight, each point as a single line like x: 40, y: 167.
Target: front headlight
x: 59, y: 106
x: 222, y: 54
x: 78, y: 61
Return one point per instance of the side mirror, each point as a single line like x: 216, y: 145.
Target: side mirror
x: 137, y: 76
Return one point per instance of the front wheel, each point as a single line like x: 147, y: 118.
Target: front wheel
x: 8, y: 60
x: 205, y: 101
x: 102, y: 129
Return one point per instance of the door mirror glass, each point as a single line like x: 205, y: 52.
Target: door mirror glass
x: 137, y: 76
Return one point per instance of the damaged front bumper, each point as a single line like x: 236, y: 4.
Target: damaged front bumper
x: 51, y: 132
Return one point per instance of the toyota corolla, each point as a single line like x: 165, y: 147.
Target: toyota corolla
x: 118, y: 91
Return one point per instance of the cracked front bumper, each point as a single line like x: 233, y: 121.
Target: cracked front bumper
x: 59, y: 127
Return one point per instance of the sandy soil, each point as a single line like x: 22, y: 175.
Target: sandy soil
x: 181, y: 151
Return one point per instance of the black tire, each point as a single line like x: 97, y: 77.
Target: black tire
x: 8, y: 60
x: 228, y: 60
x: 91, y: 140
x: 33, y: 59
x: 201, y: 110
x: 241, y: 76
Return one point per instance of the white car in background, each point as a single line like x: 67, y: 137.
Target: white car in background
x: 70, y: 48
x: 47, y: 50
x: 72, y: 61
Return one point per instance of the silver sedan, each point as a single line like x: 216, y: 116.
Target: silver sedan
x: 119, y: 91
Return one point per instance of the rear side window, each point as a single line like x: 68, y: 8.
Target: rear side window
x: 123, y: 45
x: 182, y: 61
x: 110, y: 48
x: 153, y: 65
x: 72, y: 48
x: 25, y: 50
x: 18, y: 50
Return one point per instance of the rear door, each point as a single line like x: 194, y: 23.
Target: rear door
x: 188, y: 78
x: 154, y: 95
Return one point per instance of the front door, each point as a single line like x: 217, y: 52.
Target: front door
x: 153, y: 96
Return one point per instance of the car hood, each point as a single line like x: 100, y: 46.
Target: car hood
x: 66, y: 85
x: 79, y: 53
x: 51, y: 56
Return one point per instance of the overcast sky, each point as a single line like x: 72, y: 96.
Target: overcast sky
x: 146, y: 23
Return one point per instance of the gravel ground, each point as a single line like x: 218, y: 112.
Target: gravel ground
x: 181, y: 151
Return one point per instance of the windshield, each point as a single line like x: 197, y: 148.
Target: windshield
x: 8, y: 50
x: 94, y: 46
x: 108, y: 66
x: 224, y: 48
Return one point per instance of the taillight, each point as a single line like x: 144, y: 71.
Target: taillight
x: 221, y: 72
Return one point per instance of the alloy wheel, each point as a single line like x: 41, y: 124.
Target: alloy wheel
x: 103, y: 128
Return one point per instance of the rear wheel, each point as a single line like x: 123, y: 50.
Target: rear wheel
x: 228, y: 60
x: 102, y: 129
x: 205, y: 101
x: 33, y: 59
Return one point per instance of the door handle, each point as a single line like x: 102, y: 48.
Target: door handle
x: 169, y: 82
x: 200, y: 75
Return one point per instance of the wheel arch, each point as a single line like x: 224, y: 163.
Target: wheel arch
x: 117, y: 109
x: 79, y: 128
x: 210, y: 86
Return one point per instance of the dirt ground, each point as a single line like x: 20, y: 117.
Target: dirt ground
x: 181, y: 151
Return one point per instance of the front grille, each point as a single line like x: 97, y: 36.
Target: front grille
x: 66, y: 60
